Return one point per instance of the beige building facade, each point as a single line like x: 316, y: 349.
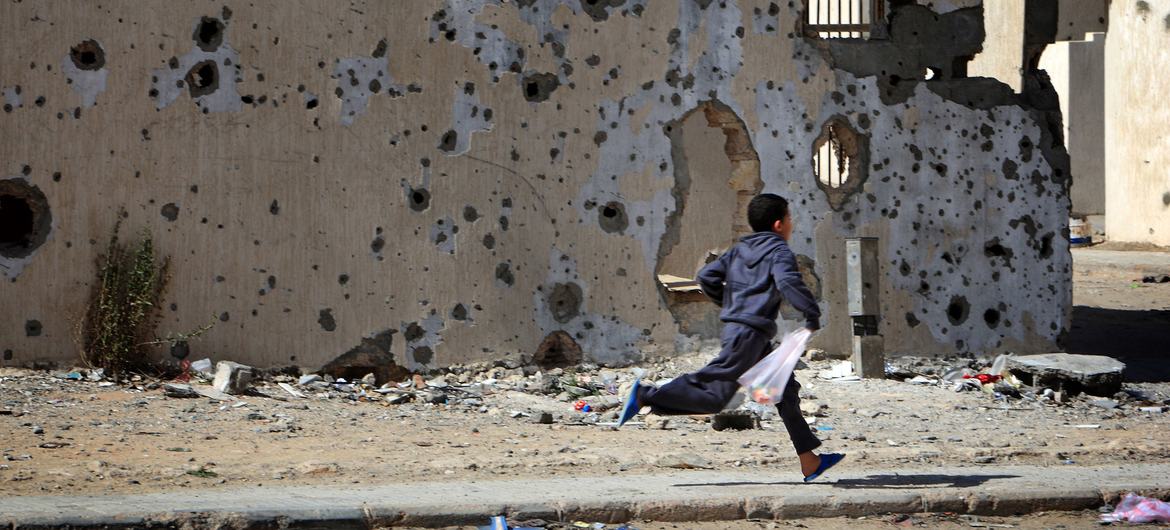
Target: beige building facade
x: 435, y: 182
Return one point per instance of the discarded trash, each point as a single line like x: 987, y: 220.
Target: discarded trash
x: 1152, y: 409
x: 983, y: 378
x: 840, y: 370
x: 500, y: 522
x: 765, y: 382
x: 1137, y: 509
x: 582, y: 406
x: 292, y: 391
x: 203, y: 366
x: 1155, y: 279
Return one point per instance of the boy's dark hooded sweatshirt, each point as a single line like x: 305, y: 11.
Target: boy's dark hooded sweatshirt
x: 750, y: 269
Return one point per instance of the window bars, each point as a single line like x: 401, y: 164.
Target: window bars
x: 843, y: 19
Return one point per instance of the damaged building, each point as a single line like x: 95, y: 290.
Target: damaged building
x: 418, y: 184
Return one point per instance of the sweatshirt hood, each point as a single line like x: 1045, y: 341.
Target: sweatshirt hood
x: 755, y: 247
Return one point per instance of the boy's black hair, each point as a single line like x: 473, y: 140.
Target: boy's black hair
x: 764, y: 210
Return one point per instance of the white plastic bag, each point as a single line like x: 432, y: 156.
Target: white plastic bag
x: 765, y: 382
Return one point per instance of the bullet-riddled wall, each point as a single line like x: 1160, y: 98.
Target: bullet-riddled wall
x: 441, y: 181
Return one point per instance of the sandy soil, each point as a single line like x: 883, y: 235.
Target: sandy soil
x: 77, y: 437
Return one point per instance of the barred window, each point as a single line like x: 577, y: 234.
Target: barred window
x: 843, y: 19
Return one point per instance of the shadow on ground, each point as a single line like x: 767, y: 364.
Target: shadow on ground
x: 1140, y: 339
x: 879, y: 482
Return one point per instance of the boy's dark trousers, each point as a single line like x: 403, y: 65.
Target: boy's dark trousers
x: 708, y: 390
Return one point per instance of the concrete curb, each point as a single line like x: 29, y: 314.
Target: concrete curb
x: 690, y: 496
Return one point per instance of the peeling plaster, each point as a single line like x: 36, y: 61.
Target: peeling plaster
x: 87, y: 83
x: 422, y: 341
x: 359, y: 78
x: 605, y: 339
x: 172, y: 81
x: 468, y: 117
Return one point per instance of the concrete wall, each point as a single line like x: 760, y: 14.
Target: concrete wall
x: 1137, y: 148
x: 1085, y: 123
x: 443, y: 181
x: 1002, y: 56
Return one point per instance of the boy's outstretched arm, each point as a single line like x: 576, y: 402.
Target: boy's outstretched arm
x: 787, y: 277
x: 711, y: 279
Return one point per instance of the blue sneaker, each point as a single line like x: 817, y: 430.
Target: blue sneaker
x: 828, y: 460
x: 631, y: 408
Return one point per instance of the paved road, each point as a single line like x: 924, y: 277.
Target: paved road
x: 678, y: 496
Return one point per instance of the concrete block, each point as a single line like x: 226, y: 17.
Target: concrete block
x: 869, y: 358
x: 1093, y: 374
x: 232, y: 378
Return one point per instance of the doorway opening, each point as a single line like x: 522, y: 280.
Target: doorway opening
x: 716, y: 174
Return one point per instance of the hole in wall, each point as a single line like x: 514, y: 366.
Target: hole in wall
x: 419, y: 199
x: 716, y: 174
x: 538, y: 87
x: 958, y: 310
x: 88, y: 55
x: 203, y: 78
x: 208, y: 34
x: 557, y: 350
x: 840, y: 157
x: 25, y: 219
x: 612, y: 217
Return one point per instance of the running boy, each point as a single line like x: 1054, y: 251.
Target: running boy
x: 748, y: 282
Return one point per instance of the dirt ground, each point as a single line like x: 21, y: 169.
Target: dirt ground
x: 61, y: 436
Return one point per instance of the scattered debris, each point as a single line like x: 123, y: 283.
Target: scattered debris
x: 1155, y: 279
x: 232, y: 378
x: 1093, y: 374
x: 683, y: 461
x: 1134, y: 508
x: 179, y: 391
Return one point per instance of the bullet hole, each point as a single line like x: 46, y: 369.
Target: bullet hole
x: 470, y: 214
x: 504, y: 274
x: 993, y: 249
x: 88, y: 55
x: 612, y: 217
x: 343, y: 279
x: 991, y: 317
x: 413, y: 332
x: 459, y: 312
x: 170, y: 211
x: 25, y: 220
x: 600, y: 137
x: 225, y: 316
x: 593, y: 60
x: 377, y: 244
x: 1046, y: 245
x: 274, y: 208
x: 32, y: 328
x: 325, y: 319
x: 1166, y: 199
x: 7, y: 355
x: 489, y: 241
x: 203, y: 78
x: 311, y: 103
x: 448, y: 141
x: 422, y: 354
x: 598, y: 10
x: 419, y: 199
x: 912, y: 320
x: 564, y: 301
x: 557, y: 350
x: 957, y: 310
x: 538, y: 87
x: 208, y: 34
